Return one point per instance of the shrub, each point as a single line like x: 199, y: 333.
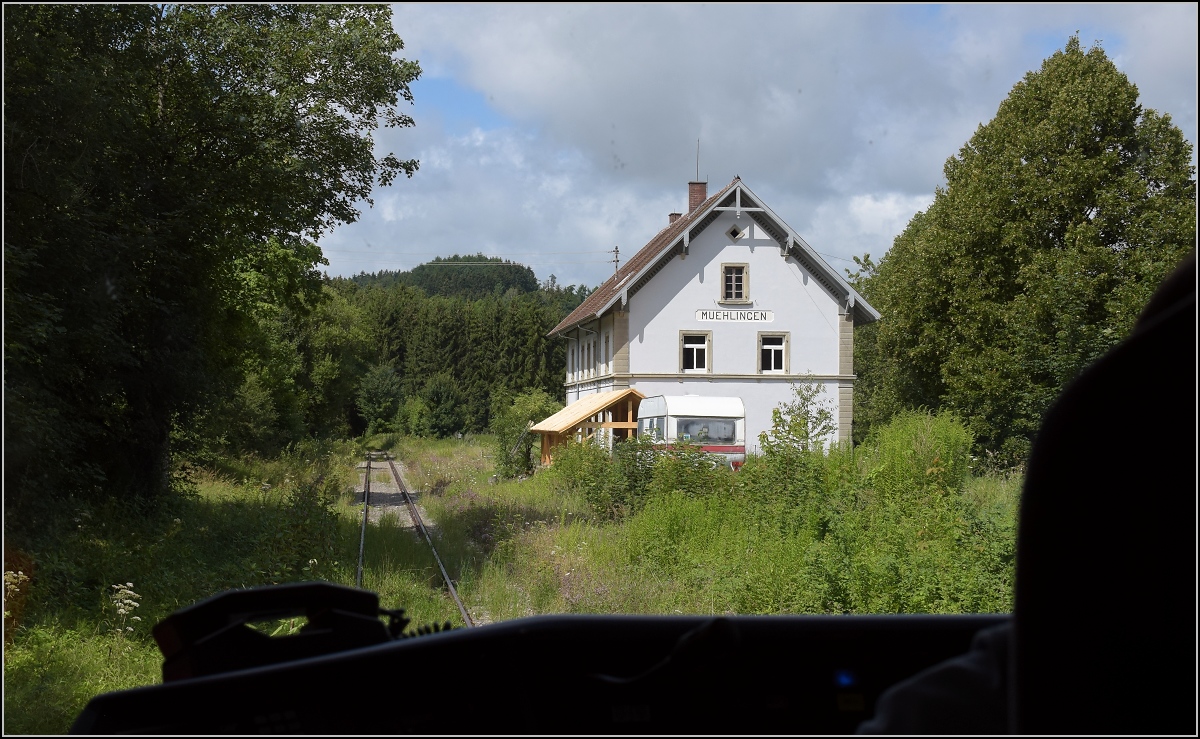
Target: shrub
x: 686, y: 469
x: 513, y: 444
x: 905, y: 545
x: 635, y: 473
x: 586, y: 467
x: 444, y: 401
x: 634, y: 462
x: 802, y: 424
x: 378, y: 398
x: 790, y: 476
x: 917, y: 453
x: 413, y: 418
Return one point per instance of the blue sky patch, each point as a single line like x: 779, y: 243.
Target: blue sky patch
x: 461, y: 109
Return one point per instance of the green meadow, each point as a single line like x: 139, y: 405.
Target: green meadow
x: 899, y: 524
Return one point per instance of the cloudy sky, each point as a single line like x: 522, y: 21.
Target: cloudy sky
x: 547, y: 134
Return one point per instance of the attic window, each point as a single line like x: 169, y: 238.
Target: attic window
x: 736, y: 233
x: 735, y: 283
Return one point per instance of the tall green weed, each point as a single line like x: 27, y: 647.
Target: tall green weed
x: 619, y: 483
x: 896, y: 525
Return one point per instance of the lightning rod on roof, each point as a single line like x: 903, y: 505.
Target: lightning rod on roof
x: 697, y: 160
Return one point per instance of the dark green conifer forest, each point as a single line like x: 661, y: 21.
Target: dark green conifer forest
x: 469, y: 276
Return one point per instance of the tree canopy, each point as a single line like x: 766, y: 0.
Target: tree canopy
x: 472, y: 276
x: 1058, y: 220
x: 167, y: 169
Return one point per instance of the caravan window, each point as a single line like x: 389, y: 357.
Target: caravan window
x: 656, y: 428
x: 707, y: 430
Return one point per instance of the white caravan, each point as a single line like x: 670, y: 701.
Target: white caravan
x: 716, y: 425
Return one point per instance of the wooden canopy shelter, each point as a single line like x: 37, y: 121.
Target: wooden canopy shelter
x: 612, y: 415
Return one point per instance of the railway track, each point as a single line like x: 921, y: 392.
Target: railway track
x: 415, y: 515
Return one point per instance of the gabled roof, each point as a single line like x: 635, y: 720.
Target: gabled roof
x: 675, y: 237
x: 582, y: 409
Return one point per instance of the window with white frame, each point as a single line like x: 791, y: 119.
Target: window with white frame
x: 694, y: 349
x: 772, y: 353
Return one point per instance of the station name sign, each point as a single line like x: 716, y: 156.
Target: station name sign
x: 736, y: 316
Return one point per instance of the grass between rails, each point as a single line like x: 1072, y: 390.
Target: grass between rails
x: 479, y: 523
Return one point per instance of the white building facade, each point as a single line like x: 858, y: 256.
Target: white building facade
x: 727, y: 301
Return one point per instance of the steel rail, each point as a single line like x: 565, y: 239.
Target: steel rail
x: 362, y: 538
x: 416, y: 517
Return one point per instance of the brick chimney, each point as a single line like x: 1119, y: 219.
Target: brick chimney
x: 697, y: 194
x: 672, y: 217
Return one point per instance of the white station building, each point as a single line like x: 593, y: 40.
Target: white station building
x: 727, y: 301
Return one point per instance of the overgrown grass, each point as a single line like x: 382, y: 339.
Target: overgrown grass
x: 248, y: 522
x: 53, y: 670
x: 898, y: 524
x: 478, y: 519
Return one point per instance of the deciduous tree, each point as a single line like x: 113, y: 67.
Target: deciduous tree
x: 156, y: 157
x: 1058, y: 220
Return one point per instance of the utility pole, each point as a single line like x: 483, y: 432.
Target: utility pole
x: 616, y: 260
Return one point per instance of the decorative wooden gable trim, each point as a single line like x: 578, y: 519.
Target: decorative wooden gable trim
x: 675, y: 240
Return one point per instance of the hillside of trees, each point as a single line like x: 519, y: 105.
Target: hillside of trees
x: 470, y: 276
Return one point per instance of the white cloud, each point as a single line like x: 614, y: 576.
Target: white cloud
x: 862, y: 224
x: 840, y: 116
